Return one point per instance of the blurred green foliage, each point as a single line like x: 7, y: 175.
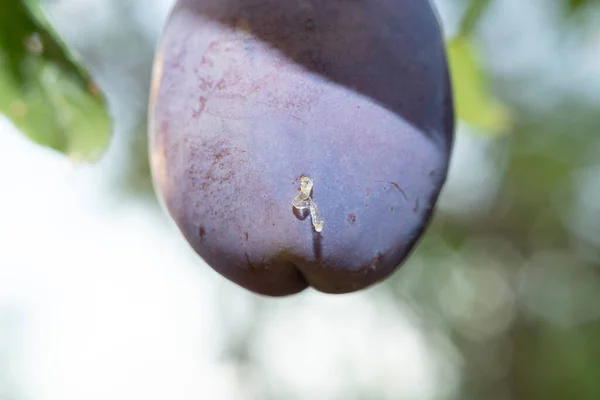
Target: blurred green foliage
x: 575, y: 5
x: 473, y: 99
x: 42, y: 90
x: 474, y: 102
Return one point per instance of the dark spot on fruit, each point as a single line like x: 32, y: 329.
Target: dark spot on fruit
x: 201, y: 106
x: 246, y: 234
x: 298, y: 119
x: 352, y: 218
x: 394, y: 184
x: 392, y: 209
x: 206, y: 62
x: 201, y: 232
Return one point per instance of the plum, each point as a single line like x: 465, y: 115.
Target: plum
x: 251, y: 97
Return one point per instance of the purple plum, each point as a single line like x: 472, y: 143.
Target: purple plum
x: 303, y: 142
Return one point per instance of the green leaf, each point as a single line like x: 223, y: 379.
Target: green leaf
x: 472, y: 15
x: 575, y: 5
x: 475, y: 104
x: 43, y: 91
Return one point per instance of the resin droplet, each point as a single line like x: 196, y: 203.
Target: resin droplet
x: 316, y: 217
x: 303, y: 201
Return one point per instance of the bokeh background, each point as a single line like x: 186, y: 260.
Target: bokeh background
x: 100, y: 298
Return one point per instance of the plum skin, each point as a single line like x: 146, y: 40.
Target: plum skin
x: 249, y: 95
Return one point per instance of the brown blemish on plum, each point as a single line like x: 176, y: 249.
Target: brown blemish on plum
x: 229, y: 84
x: 416, y: 206
x: 246, y: 234
x: 394, y: 184
x: 201, y: 232
x: 201, y: 106
x: 298, y: 119
x: 214, y: 170
x: 206, y: 62
x: 206, y: 84
x: 352, y: 218
x: 221, y: 84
